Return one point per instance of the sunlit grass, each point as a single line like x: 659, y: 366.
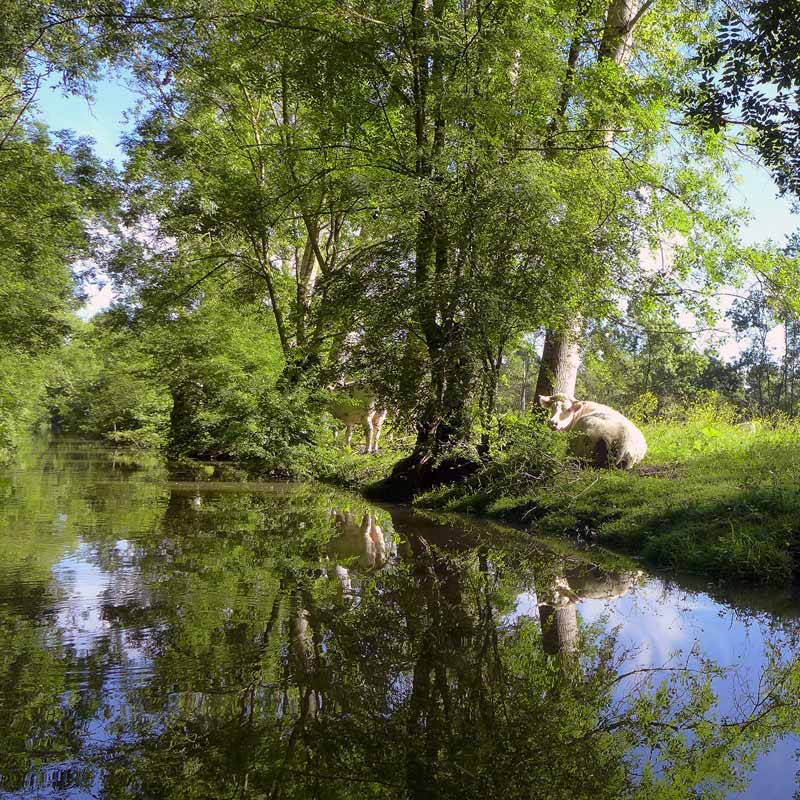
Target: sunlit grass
x: 335, y: 463
x: 712, y: 497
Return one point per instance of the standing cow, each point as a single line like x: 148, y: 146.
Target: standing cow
x: 354, y: 405
x: 603, y: 436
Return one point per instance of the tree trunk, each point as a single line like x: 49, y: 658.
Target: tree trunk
x: 561, y: 357
x: 559, y: 628
x: 526, y: 371
x: 617, y: 42
x: 445, y: 420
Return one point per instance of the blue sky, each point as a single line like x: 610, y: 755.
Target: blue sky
x: 104, y: 120
x: 772, y: 217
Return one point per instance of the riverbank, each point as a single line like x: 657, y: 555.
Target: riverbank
x: 712, y: 498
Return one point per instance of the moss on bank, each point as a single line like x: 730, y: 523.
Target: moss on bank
x: 712, y: 497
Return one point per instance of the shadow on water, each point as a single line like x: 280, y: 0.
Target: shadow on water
x: 183, y: 638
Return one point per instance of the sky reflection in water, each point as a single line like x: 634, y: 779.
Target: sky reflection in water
x: 200, y: 639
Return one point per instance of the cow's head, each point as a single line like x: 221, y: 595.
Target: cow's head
x: 564, y: 409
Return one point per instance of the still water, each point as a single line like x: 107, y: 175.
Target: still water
x: 168, y: 635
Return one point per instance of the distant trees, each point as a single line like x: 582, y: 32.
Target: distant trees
x: 52, y: 194
x: 750, y: 83
x: 770, y: 376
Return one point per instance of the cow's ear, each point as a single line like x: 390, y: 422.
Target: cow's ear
x: 576, y: 406
x: 544, y: 400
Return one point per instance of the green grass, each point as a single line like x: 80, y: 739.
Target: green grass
x: 351, y: 468
x: 711, y: 497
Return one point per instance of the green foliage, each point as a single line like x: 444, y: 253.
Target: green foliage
x: 410, y: 225
x: 48, y: 195
x: 525, y: 453
x: 222, y: 366
x: 207, y: 382
x: 104, y: 386
x: 350, y: 468
x: 750, y: 77
x: 22, y: 398
x: 53, y: 194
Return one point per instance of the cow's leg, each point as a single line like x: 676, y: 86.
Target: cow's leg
x: 346, y: 582
x: 348, y: 437
x: 377, y: 423
x: 368, y: 431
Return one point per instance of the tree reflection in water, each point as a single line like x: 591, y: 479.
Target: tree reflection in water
x: 279, y: 644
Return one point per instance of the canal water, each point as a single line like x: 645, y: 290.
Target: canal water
x: 174, y: 635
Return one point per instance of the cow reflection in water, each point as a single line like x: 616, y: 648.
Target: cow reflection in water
x: 359, y: 547
x: 558, y: 601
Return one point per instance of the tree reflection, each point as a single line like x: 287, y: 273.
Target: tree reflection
x: 558, y: 597
x: 289, y: 643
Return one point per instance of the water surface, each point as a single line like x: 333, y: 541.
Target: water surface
x: 163, y: 636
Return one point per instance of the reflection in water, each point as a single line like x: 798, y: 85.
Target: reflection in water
x: 362, y: 546
x: 558, y: 601
x: 203, y: 640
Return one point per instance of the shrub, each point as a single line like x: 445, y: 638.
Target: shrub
x: 525, y: 454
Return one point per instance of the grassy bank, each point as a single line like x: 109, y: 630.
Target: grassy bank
x: 712, y: 497
x: 350, y: 468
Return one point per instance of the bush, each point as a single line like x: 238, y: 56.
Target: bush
x: 525, y: 454
x: 22, y: 398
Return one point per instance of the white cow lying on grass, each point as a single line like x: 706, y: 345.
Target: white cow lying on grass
x: 603, y: 436
x: 357, y: 406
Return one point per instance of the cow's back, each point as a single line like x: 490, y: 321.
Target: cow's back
x: 624, y: 442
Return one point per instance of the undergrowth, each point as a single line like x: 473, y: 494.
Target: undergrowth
x: 353, y: 469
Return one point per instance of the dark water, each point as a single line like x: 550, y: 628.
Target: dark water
x: 164, y: 638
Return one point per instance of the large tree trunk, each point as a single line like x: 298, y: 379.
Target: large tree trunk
x: 561, y: 358
x: 559, y: 628
x: 445, y: 420
x: 617, y: 42
x: 558, y: 615
x: 558, y: 371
